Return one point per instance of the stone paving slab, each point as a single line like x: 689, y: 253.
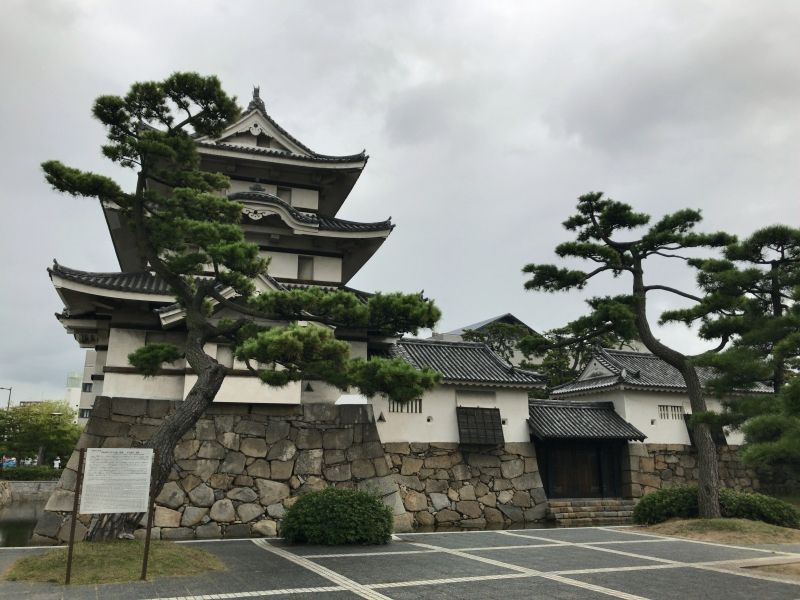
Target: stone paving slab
x: 685, y: 551
x: 688, y: 583
x: 562, y: 558
x: 404, y: 567
x: 468, y: 539
x: 527, y: 588
x: 584, y: 535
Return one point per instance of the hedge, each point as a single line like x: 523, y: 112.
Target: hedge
x: 681, y: 503
x: 338, y: 516
x: 42, y: 473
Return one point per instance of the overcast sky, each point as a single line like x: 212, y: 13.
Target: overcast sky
x: 483, y: 121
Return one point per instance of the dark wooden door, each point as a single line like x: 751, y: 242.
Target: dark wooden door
x: 574, y: 471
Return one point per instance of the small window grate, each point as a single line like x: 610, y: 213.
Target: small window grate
x: 480, y: 426
x: 670, y: 412
x: 411, y: 406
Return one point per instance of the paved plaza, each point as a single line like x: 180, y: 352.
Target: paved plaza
x: 585, y: 563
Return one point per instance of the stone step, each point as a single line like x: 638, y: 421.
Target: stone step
x: 591, y: 511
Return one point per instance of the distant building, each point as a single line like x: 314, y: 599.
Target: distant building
x: 457, y: 335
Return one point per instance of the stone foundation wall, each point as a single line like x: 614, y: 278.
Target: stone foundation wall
x: 241, y: 466
x: 651, y: 467
x: 447, y: 485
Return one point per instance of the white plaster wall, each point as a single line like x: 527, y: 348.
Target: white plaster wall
x: 641, y: 411
x: 122, y: 342
x: 327, y: 268
x: 440, y: 405
x: 252, y: 390
x: 305, y: 199
x: 281, y: 264
x: 130, y: 385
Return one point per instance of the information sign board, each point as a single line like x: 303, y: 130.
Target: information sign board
x: 116, y: 480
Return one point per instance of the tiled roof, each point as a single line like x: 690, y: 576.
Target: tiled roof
x: 314, y: 157
x: 148, y: 283
x: 506, y: 318
x: 142, y: 282
x: 464, y: 362
x: 550, y: 419
x: 323, y: 223
x: 639, y: 370
x: 479, y: 426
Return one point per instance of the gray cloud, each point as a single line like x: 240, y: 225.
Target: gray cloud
x: 483, y: 121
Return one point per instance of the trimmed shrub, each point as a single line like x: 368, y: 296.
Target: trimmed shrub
x: 758, y: 507
x: 42, y: 473
x: 338, y: 516
x: 681, y: 503
x: 669, y: 503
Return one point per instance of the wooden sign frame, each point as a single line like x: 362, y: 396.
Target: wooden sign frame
x: 76, y: 504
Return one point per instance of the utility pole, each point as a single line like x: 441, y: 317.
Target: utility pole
x: 8, y: 405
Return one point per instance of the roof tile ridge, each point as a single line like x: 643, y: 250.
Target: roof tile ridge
x: 601, y: 354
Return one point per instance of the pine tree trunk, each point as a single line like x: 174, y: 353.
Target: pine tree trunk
x: 708, y: 482
x: 210, y: 375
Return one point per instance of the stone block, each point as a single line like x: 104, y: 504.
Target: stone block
x: 521, y: 498
x: 242, y: 494
x: 276, y: 431
x: 223, y: 423
x: 524, y: 449
x: 505, y: 496
x: 498, y: 485
x: 453, y: 495
x: 309, y: 462
x: 319, y: 412
x: 211, y: 449
x: 512, y: 512
x: 202, y: 495
x: 382, y: 467
x: 439, y: 501
x: 338, y: 472
x: 424, y: 518
x: 80, y: 530
x: 397, y: 447
x: 437, y: 462
x: 255, y: 447
x: 186, y: 449
x: 234, y: 463
x: 418, y: 447
x: 483, y: 460
x: 229, y: 440
x: 537, y: 513
x: 202, y: 467
x: 461, y: 472
x: 271, y: 492
x: 177, y: 533
x: 220, y: 481
x: 237, y: 531
x: 309, y: 439
x: 282, y: 450
x: 209, y: 531
x: 337, y: 439
x: 48, y: 524
x: 313, y: 484
x: 436, y: 485
x: 205, y: 430
x: 395, y: 502
x: 156, y: 409
x: 380, y: 486
x: 243, y: 481
x: 479, y: 523
x: 193, y: 515
x: 362, y: 468
x: 481, y: 489
x: 60, y: 501
x: 171, y: 495
x: 248, y: 512
x: 117, y: 442
x: 411, y: 466
x: 276, y: 511
x: 469, y: 508
x: 414, y: 501
x: 527, y: 481
x: 512, y: 468
x: 259, y: 468
x: 132, y: 407
x: 493, y: 516
x: 488, y: 500
x: 281, y: 470
x: 467, y: 492
x: 68, y: 480
x: 265, y: 528
x: 538, y: 495
x: 249, y: 427
x: 166, y: 517
x: 410, y: 482
x: 447, y: 516
x: 141, y: 432
x: 404, y: 523
x: 222, y: 511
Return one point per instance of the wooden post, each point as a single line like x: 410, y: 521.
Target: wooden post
x: 75, y: 504
x: 150, y: 516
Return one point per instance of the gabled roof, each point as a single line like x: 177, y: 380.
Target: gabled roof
x: 464, y: 362
x: 504, y: 318
x: 579, y: 420
x: 640, y: 370
x: 321, y: 223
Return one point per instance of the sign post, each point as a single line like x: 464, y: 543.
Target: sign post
x: 113, y: 480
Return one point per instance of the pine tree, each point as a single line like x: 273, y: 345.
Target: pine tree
x: 597, y: 224
x: 189, y: 235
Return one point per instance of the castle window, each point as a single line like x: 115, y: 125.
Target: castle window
x: 411, y: 406
x: 86, y: 387
x: 670, y: 412
x: 305, y: 268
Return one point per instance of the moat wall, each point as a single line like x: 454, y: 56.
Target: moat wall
x: 243, y: 465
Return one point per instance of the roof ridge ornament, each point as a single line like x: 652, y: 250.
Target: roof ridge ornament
x: 257, y: 103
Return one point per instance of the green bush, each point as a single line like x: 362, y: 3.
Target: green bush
x: 42, y: 473
x: 758, y: 507
x: 669, y: 503
x: 681, y: 503
x: 338, y: 516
